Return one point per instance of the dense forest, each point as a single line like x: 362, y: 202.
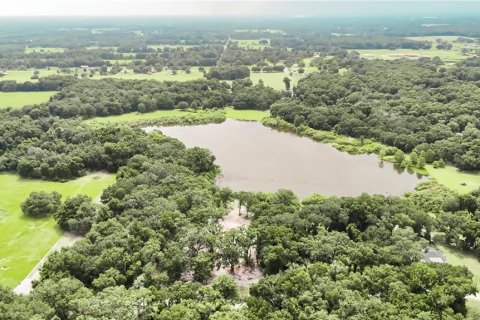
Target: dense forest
x: 153, y: 245
x: 416, y: 106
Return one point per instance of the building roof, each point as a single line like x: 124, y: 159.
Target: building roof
x: 431, y: 255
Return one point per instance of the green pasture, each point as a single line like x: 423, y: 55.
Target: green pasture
x: 163, y: 46
x: 460, y: 258
x: 164, y: 75
x: 456, y: 180
x: 20, y: 99
x: 26, y: 240
x: 44, y: 50
x: 247, y: 115
x: 251, y: 43
x: 448, y: 56
x: 25, y: 75
x: 270, y: 79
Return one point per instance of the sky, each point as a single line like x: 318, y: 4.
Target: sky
x: 225, y: 7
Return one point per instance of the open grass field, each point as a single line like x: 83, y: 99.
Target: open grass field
x: 44, y: 50
x: 25, y: 240
x: 451, y: 177
x: 25, y: 75
x: 122, y: 62
x: 271, y: 79
x: 251, y: 43
x: 163, y: 46
x: 164, y: 75
x: 20, y: 99
x: 459, y: 258
x: 247, y: 115
x: 448, y: 56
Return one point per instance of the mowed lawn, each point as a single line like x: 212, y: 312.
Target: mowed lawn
x: 459, y: 258
x: 24, y: 241
x: 20, y: 99
x: 270, y: 79
x: 456, y: 180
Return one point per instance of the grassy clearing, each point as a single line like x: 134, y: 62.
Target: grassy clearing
x: 163, y: 46
x: 136, y: 117
x: 24, y: 240
x: 271, y: 79
x: 247, y: 115
x: 25, y: 75
x: 454, y: 179
x: 44, y: 50
x: 459, y: 258
x: 448, y: 56
x: 164, y: 75
x: 20, y: 99
x: 251, y: 43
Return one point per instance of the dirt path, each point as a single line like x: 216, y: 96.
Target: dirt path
x: 67, y: 240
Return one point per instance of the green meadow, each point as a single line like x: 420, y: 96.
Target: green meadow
x: 460, y: 258
x: 456, y: 180
x: 44, y: 50
x: 230, y: 113
x: 163, y: 46
x: 246, y: 115
x: 270, y: 79
x: 448, y: 56
x: 26, y: 240
x: 164, y: 75
x: 251, y: 43
x: 20, y: 99
x: 25, y: 75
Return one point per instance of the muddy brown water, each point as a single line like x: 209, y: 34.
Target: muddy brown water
x: 257, y: 158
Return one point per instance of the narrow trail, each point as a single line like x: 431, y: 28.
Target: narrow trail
x: 67, y: 240
x: 225, y: 47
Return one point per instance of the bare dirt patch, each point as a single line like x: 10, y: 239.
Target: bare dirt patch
x: 245, y: 275
x: 233, y: 219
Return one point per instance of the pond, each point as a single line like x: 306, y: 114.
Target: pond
x: 253, y: 157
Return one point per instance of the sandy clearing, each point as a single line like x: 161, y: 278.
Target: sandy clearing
x: 233, y: 219
x: 245, y: 275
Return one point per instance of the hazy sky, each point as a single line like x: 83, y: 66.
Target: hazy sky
x: 225, y: 7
